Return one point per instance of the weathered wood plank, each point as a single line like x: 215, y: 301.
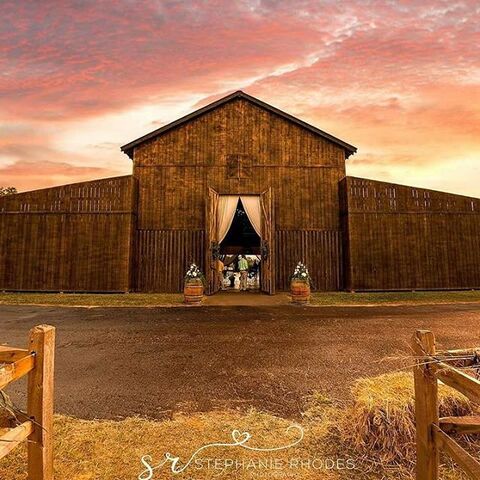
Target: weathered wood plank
x: 457, y: 379
x: 426, y: 407
x: 11, y: 354
x: 40, y: 403
x: 465, y: 357
x: 460, y: 425
x: 13, y: 371
x: 15, y: 436
x: 460, y: 456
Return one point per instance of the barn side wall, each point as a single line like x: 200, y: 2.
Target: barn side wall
x: 175, y: 170
x: 70, y: 238
x: 408, y: 238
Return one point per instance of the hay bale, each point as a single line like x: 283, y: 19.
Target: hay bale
x: 380, y: 424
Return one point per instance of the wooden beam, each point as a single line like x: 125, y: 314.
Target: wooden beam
x: 460, y: 456
x: 14, y: 436
x: 13, y: 371
x: 461, y: 352
x: 464, y: 383
x: 426, y: 407
x: 10, y: 354
x: 40, y: 403
x: 464, y: 357
x: 460, y: 425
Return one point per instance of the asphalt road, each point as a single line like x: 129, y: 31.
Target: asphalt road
x: 117, y: 362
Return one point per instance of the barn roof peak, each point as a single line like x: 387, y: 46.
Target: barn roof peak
x: 129, y: 147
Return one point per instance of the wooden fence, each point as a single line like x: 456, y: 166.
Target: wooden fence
x: 37, y: 425
x: 73, y: 238
x: 404, y: 238
x: 434, y: 434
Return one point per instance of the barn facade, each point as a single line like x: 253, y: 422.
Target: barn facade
x: 139, y: 232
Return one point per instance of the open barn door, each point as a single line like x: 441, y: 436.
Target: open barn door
x: 211, y: 237
x: 267, y: 272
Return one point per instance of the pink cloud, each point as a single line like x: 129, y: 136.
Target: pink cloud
x: 91, y: 57
x: 378, y: 74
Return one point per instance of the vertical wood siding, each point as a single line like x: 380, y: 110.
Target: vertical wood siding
x: 163, y: 257
x: 319, y: 250
x: 409, y: 238
x: 70, y: 238
x: 175, y: 170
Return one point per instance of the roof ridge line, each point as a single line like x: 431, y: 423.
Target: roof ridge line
x: 129, y: 147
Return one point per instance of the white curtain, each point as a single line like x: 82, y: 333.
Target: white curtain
x: 227, y: 206
x: 251, y: 204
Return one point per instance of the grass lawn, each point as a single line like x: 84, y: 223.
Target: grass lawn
x: 176, y: 299
x: 93, y: 299
x: 381, y: 298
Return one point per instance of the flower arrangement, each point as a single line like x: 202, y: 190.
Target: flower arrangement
x: 194, y: 273
x: 301, y: 273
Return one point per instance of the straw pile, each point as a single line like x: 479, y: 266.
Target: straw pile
x: 376, y: 430
x: 111, y: 450
x: 380, y: 424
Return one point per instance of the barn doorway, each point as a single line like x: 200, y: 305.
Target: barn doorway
x: 240, y: 225
x: 242, y: 241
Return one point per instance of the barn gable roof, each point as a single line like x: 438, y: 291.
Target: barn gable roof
x: 129, y: 147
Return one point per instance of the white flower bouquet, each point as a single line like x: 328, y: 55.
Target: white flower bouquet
x: 194, y: 274
x: 301, y: 273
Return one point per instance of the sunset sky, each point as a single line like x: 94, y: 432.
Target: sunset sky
x: 398, y: 79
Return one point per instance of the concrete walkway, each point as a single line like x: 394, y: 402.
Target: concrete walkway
x: 252, y: 299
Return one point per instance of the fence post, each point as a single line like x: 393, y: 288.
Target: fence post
x: 40, y: 403
x: 426, y: 407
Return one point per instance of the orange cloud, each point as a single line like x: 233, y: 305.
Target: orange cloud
x: 401, y: 80
x: 48, y: 174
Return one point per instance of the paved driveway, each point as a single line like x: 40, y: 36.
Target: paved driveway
x: 115, y: 362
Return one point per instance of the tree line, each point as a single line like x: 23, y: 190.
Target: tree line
x: 7, y: 191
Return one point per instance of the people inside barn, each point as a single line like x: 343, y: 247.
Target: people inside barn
x: 219, y: 267
x: 255, y: 273
x: 243, y: 267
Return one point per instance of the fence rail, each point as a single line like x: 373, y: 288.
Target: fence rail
x: 434, y: 434
x: 37, y: 361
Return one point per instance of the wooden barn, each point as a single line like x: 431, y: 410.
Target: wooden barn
x: 190, y: 180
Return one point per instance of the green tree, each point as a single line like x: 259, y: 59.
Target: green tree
x: 7, y: 191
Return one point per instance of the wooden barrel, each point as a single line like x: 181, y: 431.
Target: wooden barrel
x: 193, y: 293
x: 300, y: 292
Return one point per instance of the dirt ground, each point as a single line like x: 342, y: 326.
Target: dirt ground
x: 119, y: 362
